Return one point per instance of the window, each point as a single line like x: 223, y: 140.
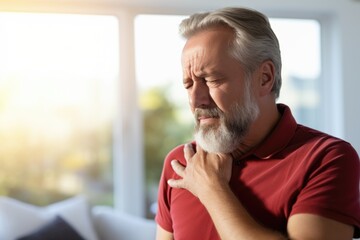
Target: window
x: 58, y: 101
x: 167, y: 120
x: 301, y: 69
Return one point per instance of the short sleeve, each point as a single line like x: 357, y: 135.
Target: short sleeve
x: 332, y: 188
x: 163, y: 215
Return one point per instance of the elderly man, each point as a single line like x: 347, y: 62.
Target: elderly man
x: 252, y: 171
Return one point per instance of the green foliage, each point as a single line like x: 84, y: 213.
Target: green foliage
x: 40, y: 170
x: 163, y: 130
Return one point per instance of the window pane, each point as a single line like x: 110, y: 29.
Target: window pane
x: 57, y: 106
x: 301, y: 70
x: 163, y: 100
x: 167, y: 120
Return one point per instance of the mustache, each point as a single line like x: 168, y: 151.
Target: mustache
x: 208, y: 112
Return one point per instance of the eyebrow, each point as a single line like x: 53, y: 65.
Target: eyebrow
x: 203, y: 74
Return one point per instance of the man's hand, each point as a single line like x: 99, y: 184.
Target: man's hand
x: 207, y: 176
x: 203, y: 172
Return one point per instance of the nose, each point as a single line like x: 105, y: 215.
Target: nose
x: 199, y: 95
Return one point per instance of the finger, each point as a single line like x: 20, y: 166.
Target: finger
x: 188, y: 151
x: 198, y: 148
x: 201, y: 152
x: 177, y: 167
x: 179, y: 183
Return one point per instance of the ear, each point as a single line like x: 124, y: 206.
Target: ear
x: 266, y: 77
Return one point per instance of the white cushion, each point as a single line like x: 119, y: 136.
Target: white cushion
x: 18, y: 219
x: 114, y: 225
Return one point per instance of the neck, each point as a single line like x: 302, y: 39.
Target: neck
x: 259, y: 130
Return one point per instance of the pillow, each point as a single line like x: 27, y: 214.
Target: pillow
x: 58, y: 229
x: 18, y: 219
x: 115, y: 225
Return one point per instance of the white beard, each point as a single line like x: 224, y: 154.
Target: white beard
x: 215, y: 140
x: 230, y: 132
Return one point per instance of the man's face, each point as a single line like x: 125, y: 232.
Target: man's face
x: 220, y: 96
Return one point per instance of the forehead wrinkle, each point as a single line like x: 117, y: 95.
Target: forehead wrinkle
x: 196, y: 64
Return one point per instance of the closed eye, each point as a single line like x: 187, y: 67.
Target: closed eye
x: 213, y: 82
x: 188, y: 84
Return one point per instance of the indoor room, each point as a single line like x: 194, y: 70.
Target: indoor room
x: 92, y: 101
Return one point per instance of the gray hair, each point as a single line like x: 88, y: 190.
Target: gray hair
x: 254, y: 40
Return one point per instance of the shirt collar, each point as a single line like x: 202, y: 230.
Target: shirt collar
x: 280, y: 136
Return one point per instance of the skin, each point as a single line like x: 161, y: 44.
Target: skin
x: 213, y: 78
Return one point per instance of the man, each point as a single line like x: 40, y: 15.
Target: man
x: 252, y: 172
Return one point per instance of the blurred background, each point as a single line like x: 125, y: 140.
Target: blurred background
x: 91, y: 96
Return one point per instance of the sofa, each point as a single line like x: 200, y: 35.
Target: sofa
x: 112, y: 225
x: 71, y: 219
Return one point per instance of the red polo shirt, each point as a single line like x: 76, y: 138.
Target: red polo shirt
x: 295, y: 170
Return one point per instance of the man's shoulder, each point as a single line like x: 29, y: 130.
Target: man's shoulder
x: 320, y: 142
x: 318, y: 137
x: 176, y: 150
x: 177, y: 153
